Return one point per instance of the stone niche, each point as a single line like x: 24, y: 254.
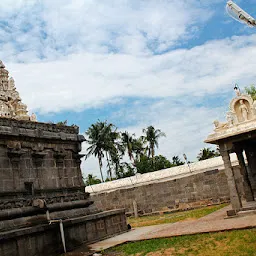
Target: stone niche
x: 242, y: 113
x: 242, y: 109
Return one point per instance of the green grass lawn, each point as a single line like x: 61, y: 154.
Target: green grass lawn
x: 173, y: 217
x: 239, y: 242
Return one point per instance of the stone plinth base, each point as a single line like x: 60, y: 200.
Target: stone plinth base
x: 46, y: 240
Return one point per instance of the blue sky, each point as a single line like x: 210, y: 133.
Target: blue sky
x: 168, y: 63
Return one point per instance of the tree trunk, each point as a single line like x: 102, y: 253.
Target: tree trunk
x: 152, y: 157
x: 110, y: 172
x: 101, y: 171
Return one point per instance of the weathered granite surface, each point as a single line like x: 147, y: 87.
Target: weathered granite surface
x: 41, y: 161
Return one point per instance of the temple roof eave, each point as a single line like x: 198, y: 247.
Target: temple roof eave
x: 241, y: 129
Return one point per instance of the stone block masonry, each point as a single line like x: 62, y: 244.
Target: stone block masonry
x: 46, y: 240
x: 38, y: 158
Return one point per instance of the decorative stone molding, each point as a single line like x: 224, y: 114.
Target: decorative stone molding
x: 14, y: 156
x: 24, y: 202
x: 13, y: 144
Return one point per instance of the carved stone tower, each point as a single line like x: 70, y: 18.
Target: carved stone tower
x: 10, y: 101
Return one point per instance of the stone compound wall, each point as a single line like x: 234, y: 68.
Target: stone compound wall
x: 168, y: 189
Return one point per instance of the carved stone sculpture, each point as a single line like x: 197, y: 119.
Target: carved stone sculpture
x: 244, y: 110
x: 33, y: 117
x: 219, y: 125
x: 241, y: 115
x: 230, y: 119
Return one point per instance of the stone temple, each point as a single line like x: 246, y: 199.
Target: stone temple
x: 44, y: 207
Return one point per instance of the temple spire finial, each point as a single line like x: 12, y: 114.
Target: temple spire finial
x: 237, y: 90
x: 2, y: 64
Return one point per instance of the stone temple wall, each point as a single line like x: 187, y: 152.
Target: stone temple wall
x: 39, y: 160
x: 168, y: 189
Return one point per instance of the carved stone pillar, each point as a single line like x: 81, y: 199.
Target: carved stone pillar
x: 14, y: 156
x: 59, y: 158
x: 247, y: 184
x: 77, y: 159
x: 234, y: 196
x: 38, y: 158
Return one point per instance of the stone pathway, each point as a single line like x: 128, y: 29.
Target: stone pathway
x: 211, y: 223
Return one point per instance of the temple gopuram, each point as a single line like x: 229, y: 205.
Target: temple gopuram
x: 44, y: 209
x: 238, y: 135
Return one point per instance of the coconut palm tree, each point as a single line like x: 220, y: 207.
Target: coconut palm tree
x: 100, y: 138
x: 114, y: 150
x: 207, y: 153
x: 94, y: 134
x: 176, y: 161
x: 127, y: 142
x: 91, y: 180
x: 152, y: 136
x: 139, y: 147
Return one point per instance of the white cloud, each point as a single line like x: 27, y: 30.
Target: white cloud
x: 87, y: 80
x: 136, y: 27
x: 96, y: 52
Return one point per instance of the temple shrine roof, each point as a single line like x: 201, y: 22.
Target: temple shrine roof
x: 241, y: 119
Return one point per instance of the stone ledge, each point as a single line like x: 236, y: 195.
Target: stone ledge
x: 69, y: 222
x: 46, y: 190
x: 37, y: 125
x: 38, y: 133
x: 39, y: 130
x: 96, y: 216
x: 13, y: 213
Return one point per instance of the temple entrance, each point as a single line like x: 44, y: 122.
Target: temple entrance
x: 238, y: 135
